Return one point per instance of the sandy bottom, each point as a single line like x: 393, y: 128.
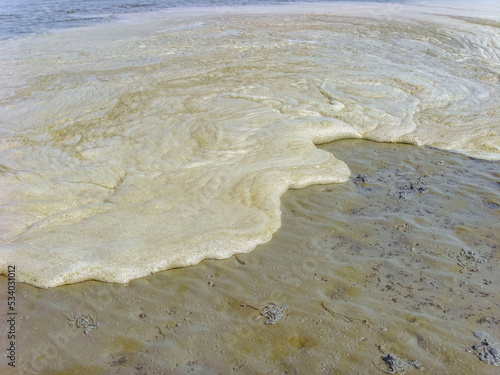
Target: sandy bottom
x: 400, y: 262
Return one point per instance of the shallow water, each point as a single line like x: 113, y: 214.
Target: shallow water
x: 157, y: 142
x: 380, y: 264
x: 26, y: 17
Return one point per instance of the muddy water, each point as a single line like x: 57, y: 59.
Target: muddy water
x: 402, y: 259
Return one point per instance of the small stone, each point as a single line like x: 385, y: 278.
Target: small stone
x: 361, y: 179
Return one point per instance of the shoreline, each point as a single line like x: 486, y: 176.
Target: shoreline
x: 480, y: 10
x: 168, y: 112
x: 400, y: 260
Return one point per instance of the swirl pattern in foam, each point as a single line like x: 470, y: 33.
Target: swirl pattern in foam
x: 135, y: 147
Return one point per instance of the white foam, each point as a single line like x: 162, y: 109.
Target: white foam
x: 126, y: 150
x: 488, y: 9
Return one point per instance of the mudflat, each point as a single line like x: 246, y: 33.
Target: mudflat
x: 392, y: 271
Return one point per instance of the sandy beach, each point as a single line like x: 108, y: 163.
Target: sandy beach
x: 400, y: 262
x: 261, y: 189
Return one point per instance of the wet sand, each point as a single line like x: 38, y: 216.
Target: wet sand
x: 402, y: 260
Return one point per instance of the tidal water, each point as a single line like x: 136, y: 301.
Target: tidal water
x: 24, y: 17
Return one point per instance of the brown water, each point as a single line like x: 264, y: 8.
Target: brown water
x: 403, y: 259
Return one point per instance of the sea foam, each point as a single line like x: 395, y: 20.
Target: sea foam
x: 148, y: 144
